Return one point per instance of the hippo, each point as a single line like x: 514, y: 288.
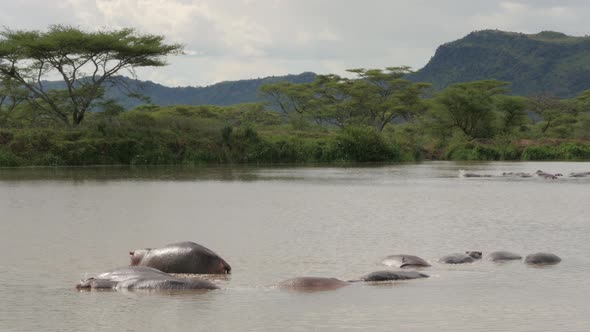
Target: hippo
x: 467, y: 257
x: 311, y: 284
x: 181, y: 257
x: 517, y: 174
x: 391, y: 275
x: 542, y: 258
x: 501, y: 256
x: 141, y: 278
x: 579, y: 175
x: 402, y: 261
x: 464, y: 174
x: 546, y: 175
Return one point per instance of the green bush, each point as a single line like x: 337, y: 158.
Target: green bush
x: 540, y: 152
x: 574, y: 151
x: 472, y: 152
x: 9, y: 159
x: 509, y: 152
x: 155, y: 157
x: 199, y: 157
x: 77, y: 153
x: 364, y: 144
x: 48, y: 159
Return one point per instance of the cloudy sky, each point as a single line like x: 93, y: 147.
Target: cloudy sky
x: 239, y: 39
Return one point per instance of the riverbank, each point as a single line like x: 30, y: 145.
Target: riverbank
x: 246, y: 145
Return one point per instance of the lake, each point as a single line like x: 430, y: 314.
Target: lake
x: 59, y: 225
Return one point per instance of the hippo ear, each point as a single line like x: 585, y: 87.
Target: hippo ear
x: 131, y: 253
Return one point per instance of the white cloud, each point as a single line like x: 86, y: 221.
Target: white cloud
x: 237, y: 39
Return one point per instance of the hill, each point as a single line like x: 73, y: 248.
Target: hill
x: 544, y: 63
x: 222, y: 94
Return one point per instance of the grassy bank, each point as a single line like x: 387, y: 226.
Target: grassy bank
x: 231, y: 145
x: 194, y: 135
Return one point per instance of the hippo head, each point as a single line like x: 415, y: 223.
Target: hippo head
x: 217, y: 265
x: 225, y: 267
x: 138, y: 255
x: 85, y: 284
x: 474, y: 254
x: 93, y: 283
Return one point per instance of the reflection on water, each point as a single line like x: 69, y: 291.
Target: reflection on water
x: 276, y: 223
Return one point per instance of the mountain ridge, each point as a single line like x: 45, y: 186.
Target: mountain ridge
x: 547, y: 62
x: 221, y: 94
x: 544, y: 63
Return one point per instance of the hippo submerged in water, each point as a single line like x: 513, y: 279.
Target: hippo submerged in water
x: 467, y: 257
x: 547, y: 175
x: 542, y: 258
x: 141, y: 278
x: 517, y: 174
x: 312, y: 284
x: 464, y: 174
x: 402, y: 261
x: 182, y: 257
x: 501, y: 256
x: 579, y: 175
x: 391, y: 276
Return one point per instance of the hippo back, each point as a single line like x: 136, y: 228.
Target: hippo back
x: 457, y: 259
x: 499, y: 256
x: 312, y: 283
x: 402, y: 261
x: 141, y: 277
x: 542, y: 258
x: 392, y: 275
x: 185, y: 257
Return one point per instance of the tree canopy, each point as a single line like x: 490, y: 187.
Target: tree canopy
x: 83, y: 60
x: 374, y: 98
x: 470, y: 107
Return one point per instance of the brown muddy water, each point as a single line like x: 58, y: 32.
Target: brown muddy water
x: 59, y: 225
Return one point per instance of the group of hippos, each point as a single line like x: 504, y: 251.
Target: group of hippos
x: 539, y: 173
x: 158, y: 269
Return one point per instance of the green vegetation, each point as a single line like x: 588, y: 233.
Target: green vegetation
x: 377, y: 116
x: 468, y: 121
x: 84, y: 60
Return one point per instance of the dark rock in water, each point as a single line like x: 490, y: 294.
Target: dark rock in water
x: 403, y: 261
x: 142, y: 278
x: 392, y: 275
x: 542, y: 258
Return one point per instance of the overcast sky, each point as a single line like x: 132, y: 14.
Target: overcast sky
x: 240, y: 39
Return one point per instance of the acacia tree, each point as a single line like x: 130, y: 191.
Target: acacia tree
x: 11, y: 95
x: 83, y: 60
x: 332, y: 93
x: 512, y: 111
x: 553, y: 111
x: 470, y: 107
x: 290, y: 98
x: 374, y: 98
x: 382, y: 95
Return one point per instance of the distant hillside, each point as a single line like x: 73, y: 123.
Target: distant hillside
x: 544, y: 63
x: 224, y: 93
